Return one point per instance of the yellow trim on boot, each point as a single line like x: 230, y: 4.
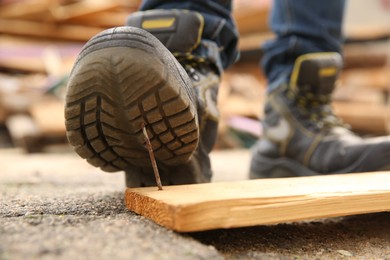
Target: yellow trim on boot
x: 328, y: 71
x: 324, y: 72
x: 158, y: 23
x: 200, y: 32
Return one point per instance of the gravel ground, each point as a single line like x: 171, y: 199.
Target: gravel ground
x: 57, y: 206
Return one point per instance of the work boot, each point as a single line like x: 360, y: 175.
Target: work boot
x: 125, y: 79
x: 302, y: 136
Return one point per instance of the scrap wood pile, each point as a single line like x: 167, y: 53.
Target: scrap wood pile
x: 63, y: 19
x: 40, y: 40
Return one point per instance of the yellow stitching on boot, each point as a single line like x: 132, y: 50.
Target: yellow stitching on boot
x: 290, y: 94
x: 282, y: 143
x: 310, y: 151
x: 302, y: 102
x: 158, y: 23
x: 200, y: 32
x: 324, y: 98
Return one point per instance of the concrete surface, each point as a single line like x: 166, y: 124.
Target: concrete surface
x: 56, y: 206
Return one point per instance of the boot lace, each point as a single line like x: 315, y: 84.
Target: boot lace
x: 193, y: 64
x: 314, y: 109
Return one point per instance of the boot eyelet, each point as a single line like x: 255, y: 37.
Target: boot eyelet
x: 195, y: 77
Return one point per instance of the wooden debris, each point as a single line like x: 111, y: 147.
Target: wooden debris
x: 55, y: 19
x: 48, y: 115
x: 24, y: 132
x: 365, y: 20
x: 106, y: 19
x: 41, y: 123
x: 37, y: 56
x: 24, y: 9
x: 376, y: 78
x: 252, y: 16
x: 198, y: 207
x: 47, y: 30
x: 364, y: 117
x: 83, y: 8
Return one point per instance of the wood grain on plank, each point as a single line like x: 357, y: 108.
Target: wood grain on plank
x: 198, y: 207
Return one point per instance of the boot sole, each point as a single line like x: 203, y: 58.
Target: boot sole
x: 125, y: 78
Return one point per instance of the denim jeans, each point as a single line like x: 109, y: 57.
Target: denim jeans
x: 219, y: 26
x: 301, y: 26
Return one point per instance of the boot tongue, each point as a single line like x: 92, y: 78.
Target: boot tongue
x: 316, y: 72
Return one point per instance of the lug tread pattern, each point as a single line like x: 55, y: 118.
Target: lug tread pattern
x: 110, y: 98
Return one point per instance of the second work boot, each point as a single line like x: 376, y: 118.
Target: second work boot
x: 303, y: 137
x: 125, y: 79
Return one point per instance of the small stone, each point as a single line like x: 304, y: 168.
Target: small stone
x: 344, y: 253
x: 30, y: 214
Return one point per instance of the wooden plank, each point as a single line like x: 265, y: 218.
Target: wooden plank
x: 365, y: 54
x: 364, y: 117
x: 252, y: 17
x: 198, y: 207
x: 254, y: 41
x: 106, y: 19
x: 376, y: 78
x: 82, y: 8
x: 49, y: 117
x: 40, y: 55
x: 24, y: 132
x: 372, y: 23
x: 46, y: 30
x: 23, y: 9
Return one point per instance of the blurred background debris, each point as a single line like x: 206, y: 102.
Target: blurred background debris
x: 40, y: 39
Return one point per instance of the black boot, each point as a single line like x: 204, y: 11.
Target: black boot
x: 125, y: 78
x: 303, y: 137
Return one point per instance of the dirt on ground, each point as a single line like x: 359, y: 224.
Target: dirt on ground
x: 362, y: 237
x: 57, y: 206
